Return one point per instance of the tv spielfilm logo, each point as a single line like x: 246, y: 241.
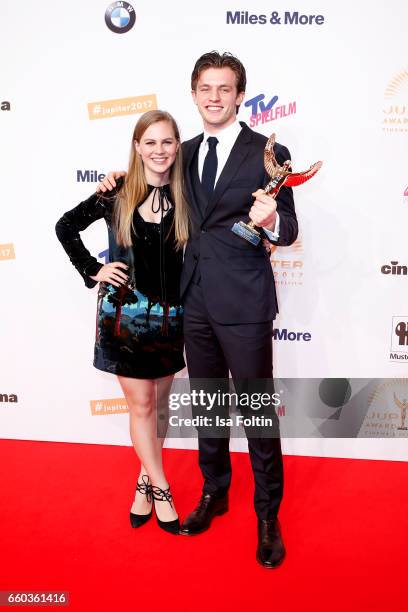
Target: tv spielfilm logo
x: 399, y: 338
x: 265, y: 112
x: 120, y: 17
x: 395, y: 108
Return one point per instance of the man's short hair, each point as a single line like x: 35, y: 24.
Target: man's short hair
x: 214, y: 59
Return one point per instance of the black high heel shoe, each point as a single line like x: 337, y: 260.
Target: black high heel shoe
x: 145, y: 488
x: 165, y: 495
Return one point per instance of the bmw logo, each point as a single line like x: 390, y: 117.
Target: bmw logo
x: 120, y: 17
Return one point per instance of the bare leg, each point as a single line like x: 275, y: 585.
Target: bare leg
x: 142, y: 397
x: 162, y: 391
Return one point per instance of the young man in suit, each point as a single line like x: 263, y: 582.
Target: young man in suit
x: 227, y: 284
x: 228, y: 287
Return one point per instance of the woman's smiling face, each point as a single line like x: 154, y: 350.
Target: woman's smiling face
x: 158, y: 149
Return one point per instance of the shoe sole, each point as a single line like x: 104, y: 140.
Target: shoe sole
x: 272, y: 567
x: 219, y: 513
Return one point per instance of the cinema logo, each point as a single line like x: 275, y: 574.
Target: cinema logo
x: 387, y: 411
x: 288, y: 271
x: 395, y: 108
x: 7, y: 251
x: 394, y: 269
x: 105, y: 109
x: 399, y: 339
x: 5, y: 106
x: 263, y: 111
x: 8, y: 398
x: 109, y: 406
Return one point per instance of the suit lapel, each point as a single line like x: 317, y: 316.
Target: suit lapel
x: 237, y: 156
x: 189, y: 156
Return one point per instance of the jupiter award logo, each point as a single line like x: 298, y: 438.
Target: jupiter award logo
x: 120, y: 17
x: 287, y: 264
x: 387, y: 410
x: 395, y: 108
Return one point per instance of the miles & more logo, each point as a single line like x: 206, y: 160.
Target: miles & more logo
x: 395, y: 109
x: 265, y: 112
x: 292, y: 336
x: 89, y: 176
x: 273, y: 18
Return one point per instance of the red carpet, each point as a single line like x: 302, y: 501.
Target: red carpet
x: 64, y: 526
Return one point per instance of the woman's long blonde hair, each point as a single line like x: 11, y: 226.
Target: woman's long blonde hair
x: 134, y: 190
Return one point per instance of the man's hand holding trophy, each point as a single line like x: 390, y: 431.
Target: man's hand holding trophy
x: 263, y: 211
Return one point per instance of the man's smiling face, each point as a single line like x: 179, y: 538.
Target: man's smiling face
x: 216, y: 97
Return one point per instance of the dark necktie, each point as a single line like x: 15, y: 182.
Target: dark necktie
x: 210, y: 167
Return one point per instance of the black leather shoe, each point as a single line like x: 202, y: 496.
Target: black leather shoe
x: 145, y: 488
x: 165, y: 495
x: 200, y: 519
x: 271, y: 551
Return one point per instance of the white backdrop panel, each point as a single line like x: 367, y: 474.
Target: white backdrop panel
x: 353, y: 215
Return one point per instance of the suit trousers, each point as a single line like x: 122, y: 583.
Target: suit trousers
x: 212, y: 350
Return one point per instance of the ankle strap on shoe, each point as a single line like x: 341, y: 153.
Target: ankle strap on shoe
x: 162, y: 495
x: 145, y: 488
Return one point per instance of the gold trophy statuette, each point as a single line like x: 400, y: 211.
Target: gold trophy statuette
x: 280, y: 176
x: 402, y: 405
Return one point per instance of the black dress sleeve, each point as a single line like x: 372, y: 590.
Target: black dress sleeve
x: 98, y: 206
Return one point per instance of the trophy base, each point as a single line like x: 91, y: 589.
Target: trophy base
x: 243, y: 230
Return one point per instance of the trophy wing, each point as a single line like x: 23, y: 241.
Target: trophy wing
x: 297, y: 178
x: 398, y: 402
x: 269, y: 156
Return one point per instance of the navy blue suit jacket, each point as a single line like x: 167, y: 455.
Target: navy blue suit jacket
x: 236, y: 277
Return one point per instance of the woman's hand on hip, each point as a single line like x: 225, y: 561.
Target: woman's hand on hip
x: 112, y: 273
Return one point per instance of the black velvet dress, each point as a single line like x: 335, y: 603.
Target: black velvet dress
x: 139, y: 326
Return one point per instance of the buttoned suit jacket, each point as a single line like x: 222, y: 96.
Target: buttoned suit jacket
x: 236, y: 277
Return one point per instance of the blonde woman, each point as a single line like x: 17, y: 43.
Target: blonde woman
x: 139, y: 315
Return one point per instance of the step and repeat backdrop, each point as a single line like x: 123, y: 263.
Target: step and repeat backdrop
x: 330, y: 79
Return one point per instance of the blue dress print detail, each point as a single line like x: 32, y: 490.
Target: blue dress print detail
x: 137, y: 336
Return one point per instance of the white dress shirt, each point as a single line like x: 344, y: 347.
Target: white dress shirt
x: 226, y: 140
